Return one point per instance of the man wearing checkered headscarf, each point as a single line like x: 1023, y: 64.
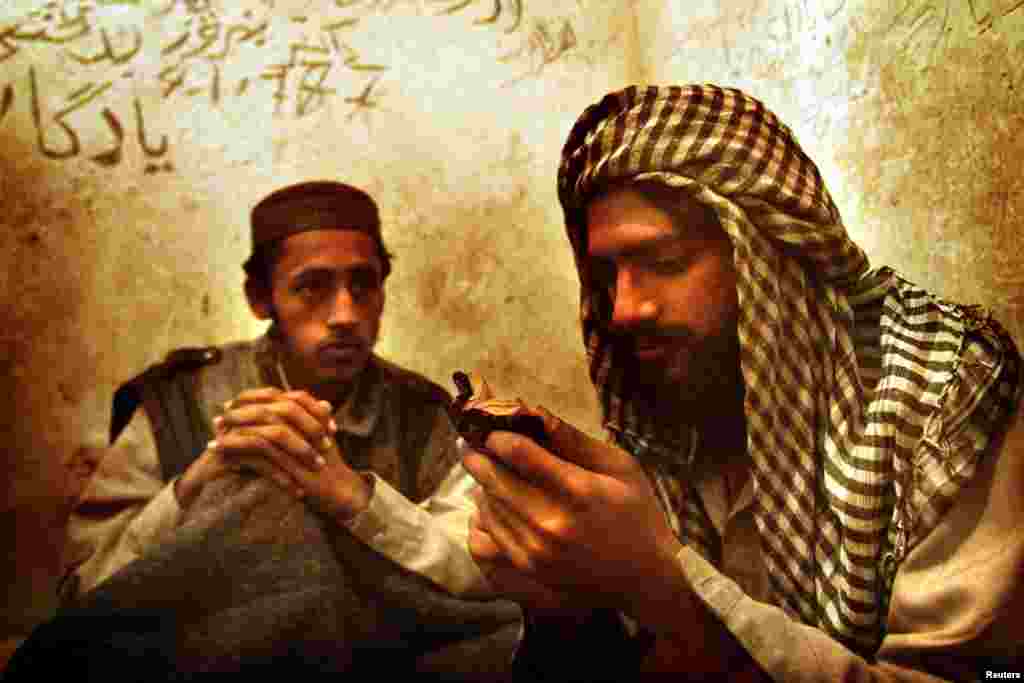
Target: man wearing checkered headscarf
x: 871, y: 408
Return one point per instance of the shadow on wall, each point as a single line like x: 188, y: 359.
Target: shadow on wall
x: 44, y: 373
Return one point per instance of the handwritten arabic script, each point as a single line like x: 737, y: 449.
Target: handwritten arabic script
x: 219, y: 53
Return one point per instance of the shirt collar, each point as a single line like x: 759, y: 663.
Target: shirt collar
x: 711, y: 488
x: 359, y: 414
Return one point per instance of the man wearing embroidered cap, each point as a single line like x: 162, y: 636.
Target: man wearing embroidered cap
x: 812, y: 462
x: 281, y: 404
x: 311, y: 407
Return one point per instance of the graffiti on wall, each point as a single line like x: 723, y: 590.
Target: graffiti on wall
x: 796, y: 42
x: 215, y: 54
x: 924, y: 28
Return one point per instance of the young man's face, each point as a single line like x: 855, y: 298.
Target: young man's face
x: 327, y: 296
x: 671, y: 285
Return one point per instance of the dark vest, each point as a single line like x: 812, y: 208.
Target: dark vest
x: 187, y: 390
x: 168, y: 390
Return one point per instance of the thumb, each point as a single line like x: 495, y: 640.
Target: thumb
x: 482, y: 391
x: 569, y: 443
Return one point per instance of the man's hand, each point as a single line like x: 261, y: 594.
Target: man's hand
x: 582, y: 520
x: 287, y: 437
x: 582, y: 526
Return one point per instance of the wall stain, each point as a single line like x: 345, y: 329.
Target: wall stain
x: 455, y: 284
x: 489, y: 291
x: 939, y: 141
x: 43, y: 372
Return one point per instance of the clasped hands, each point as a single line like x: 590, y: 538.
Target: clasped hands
x: 575, y: 526
x: 288, y: 437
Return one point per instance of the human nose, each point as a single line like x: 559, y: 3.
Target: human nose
x: 632, y: 302
x: 344, y: 309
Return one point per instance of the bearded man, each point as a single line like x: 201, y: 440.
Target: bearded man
x: 815, y: 466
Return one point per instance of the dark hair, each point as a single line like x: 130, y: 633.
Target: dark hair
x: 260, y: 265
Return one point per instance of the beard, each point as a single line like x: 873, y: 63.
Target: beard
x: 697, y: 378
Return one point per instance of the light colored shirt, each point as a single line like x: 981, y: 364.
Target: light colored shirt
x: 957, y: 596
x: 126, y: 507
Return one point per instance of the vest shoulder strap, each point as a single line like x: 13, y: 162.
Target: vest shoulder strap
x: 168, y: 392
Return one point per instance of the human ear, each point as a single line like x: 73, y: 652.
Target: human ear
x: 259, y: 298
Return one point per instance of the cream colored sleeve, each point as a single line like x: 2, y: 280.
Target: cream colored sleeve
x: 125, y: 507
x: 956, y: 604
x: 429, y: 538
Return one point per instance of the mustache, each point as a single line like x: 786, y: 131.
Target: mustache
x: 626, y: 337
x: 341, y: 340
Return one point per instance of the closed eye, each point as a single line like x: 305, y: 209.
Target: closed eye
x: 670, y: 266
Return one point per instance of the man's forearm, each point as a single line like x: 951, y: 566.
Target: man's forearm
x: 428, y: 538
x: 698, y: 644
x: 783, y: 648
x: 689, y: 638
x: 674, y: 653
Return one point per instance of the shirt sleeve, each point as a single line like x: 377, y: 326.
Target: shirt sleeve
x: 429, y: 538
x: 125, y: 507
x: 955, y: 606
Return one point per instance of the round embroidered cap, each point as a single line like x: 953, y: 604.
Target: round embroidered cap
x: 313, y: 205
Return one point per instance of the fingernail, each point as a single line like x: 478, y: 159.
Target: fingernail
x: 320, y: 461
x: 460, y: 445
x: 326, y: 443
x: 212, y: 445
x: 332, y: 425
x: 228, y: 404
x: 218, y: 422
x: 327, y: 407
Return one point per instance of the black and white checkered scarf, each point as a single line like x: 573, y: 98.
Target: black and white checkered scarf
x: 868, y: 401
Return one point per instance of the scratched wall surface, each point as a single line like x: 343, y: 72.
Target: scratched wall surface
x: 137, y: 133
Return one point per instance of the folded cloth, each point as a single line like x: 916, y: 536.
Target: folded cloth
x: 254, y: 578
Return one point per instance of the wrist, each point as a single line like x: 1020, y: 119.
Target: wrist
x: 664, y: 594
x: 356, y: 492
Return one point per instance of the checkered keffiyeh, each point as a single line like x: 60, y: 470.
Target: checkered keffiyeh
x: 868, y: 401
